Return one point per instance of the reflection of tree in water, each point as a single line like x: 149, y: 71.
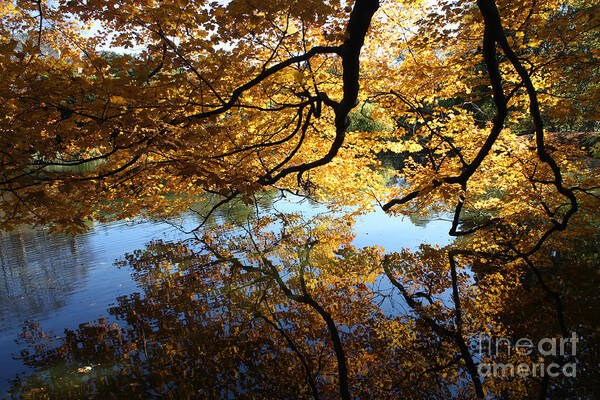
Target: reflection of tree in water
x: 38, y: 272
x: 299, y: 314
x: 419, y: 221
x: 214, y: 208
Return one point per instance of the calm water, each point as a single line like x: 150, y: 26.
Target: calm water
x: 61, y: 281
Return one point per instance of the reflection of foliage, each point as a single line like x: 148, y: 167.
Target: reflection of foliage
x: 235, y: 211
x: 290, y: 309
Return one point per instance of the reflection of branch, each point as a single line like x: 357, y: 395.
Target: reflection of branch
x: 307, y: 370
x: 269, y: 270
x: 458, y: 318
x: 454, y: 335
x: 551, y: 293
x: 307, y: 299
x: 439, y: 368
x: 39, y: 6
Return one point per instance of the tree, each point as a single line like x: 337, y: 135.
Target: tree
x: 229, y: 98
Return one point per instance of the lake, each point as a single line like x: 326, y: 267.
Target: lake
x: 60, y: 281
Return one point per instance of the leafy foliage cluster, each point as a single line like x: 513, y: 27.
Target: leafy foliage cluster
x: 228, y: 98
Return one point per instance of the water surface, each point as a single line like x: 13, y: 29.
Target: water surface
x: 60, y: 281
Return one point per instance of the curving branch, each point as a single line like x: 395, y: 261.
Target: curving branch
x: 494, y: 34
x: 358, y: 25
